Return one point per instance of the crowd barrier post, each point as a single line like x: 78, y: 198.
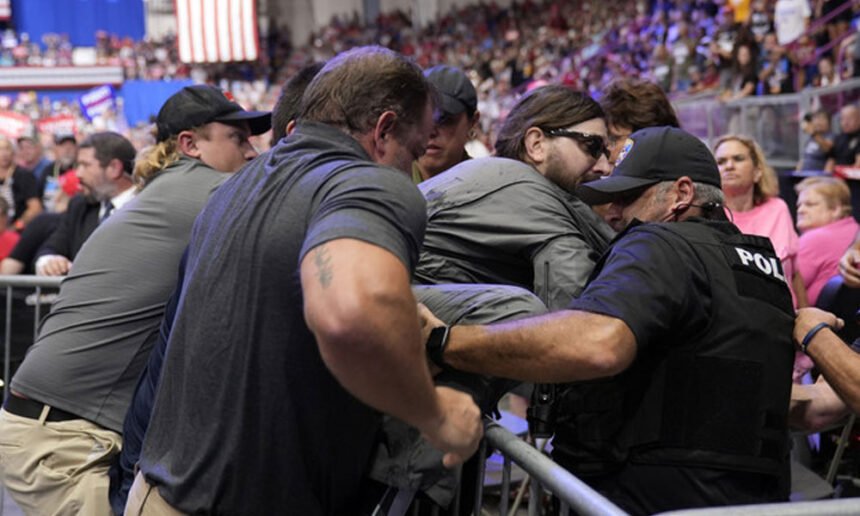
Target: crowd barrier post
x: 11, y: 283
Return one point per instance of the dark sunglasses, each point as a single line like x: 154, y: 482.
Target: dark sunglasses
x: 594, y: 144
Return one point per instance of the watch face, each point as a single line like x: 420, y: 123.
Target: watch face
x: 436, y: 345
x: 438, y: 336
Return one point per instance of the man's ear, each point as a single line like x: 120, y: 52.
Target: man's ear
x: 186, y: 142
x: 114, y: 169
x: 685, y: 191
x: 290, y: 126
x: 383, y: 132
x: 536, y: 146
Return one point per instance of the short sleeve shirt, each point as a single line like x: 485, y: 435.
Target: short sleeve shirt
x: 649, y: 280
x: 248, y: 419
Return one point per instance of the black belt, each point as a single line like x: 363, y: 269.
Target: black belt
x: 33, y: 409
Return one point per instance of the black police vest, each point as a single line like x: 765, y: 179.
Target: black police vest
x: 714, y: 397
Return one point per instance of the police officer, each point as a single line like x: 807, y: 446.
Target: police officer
x: 688, y: 323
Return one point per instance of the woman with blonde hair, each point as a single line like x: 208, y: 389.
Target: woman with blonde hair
x: 751, y: 190
x: 827, y: 230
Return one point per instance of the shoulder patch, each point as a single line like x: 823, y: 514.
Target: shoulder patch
x: 628, y: 145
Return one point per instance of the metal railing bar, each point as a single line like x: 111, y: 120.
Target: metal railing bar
x: 534, y: 497
x: 579, y: 496
x: 506, y: 486
x: 37, y: 313
x: 841, y: 507
x: 7, y: 343
x: 479, y: 481
x: 22, y: 280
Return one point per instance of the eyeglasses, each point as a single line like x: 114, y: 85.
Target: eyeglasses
x: 594, y: 144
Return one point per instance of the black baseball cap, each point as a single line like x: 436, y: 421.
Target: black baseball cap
x: 455, y: 90
x: 652, y: 155
x: 201, y: 104
x: 64, y: 137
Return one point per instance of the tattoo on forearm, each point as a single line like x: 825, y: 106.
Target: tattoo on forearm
x: 322, y: 259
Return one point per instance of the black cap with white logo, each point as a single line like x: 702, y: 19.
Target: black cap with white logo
x: 652, y: 155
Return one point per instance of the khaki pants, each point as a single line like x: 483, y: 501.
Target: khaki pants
x: 57, y: 468
x: 145, y: 500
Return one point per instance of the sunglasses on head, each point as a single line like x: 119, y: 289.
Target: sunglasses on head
x: 594, y: 144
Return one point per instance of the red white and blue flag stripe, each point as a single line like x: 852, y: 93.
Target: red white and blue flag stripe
x: 217, y: 31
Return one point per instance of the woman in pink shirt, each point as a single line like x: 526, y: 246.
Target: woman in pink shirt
x: 753, y: 203
x: 827, y: 230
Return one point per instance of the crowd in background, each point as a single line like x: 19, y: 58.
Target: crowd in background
x: 731, y: 48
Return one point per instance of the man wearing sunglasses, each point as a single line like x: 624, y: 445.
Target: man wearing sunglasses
x: 514, y: 219
x: 686, y: 326
x: 499, y: 229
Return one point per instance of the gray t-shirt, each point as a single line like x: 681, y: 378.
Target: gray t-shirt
x: 496, y: 220
x: 93, y: 345
x: 247, y: 418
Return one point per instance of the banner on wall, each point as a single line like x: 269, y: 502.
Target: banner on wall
x: 217, y: 31
x: 97, y: 101
x: 14, y: 125
x: 60, y: 124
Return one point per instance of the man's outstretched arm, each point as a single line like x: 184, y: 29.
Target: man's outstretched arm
x: 564, y: 346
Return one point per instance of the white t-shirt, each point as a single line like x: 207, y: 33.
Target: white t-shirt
x: 789, y: 19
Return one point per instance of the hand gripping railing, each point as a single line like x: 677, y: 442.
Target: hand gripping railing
x: 572, y: 492
x: 11, y: 283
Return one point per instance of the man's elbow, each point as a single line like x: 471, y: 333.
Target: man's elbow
x: 338, y: 322
x: 611, y: 361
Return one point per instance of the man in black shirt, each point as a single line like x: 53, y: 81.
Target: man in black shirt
x: 846, y: 146
x: 688, y: 324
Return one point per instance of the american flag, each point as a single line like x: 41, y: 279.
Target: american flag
x: 5, y: 10
x: 213, y: 31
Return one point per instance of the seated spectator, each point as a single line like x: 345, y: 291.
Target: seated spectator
x: 744, y: 77
x: 32, y: 157
x: 8, y: 237
x: 105, y: 165
x: 776, y: 73
x: 846, y: 145
x: 827, y: 230
x: 18, y: 187
x: 455, y: 121
x: 816, y: 150
x: 827, y: 74
x: 22, y: 259
x: 66, y: 156
x: 753, y: 203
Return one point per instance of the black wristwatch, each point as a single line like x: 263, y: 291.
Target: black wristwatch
x: 436, y: 344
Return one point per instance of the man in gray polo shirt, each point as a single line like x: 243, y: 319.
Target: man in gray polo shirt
x: 60, y: 427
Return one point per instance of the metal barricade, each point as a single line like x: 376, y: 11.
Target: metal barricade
x: 772, y: 120
x: 573, y: 494
x: 11, y: 283
x: 544, y: 474
x: 825, y: 508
